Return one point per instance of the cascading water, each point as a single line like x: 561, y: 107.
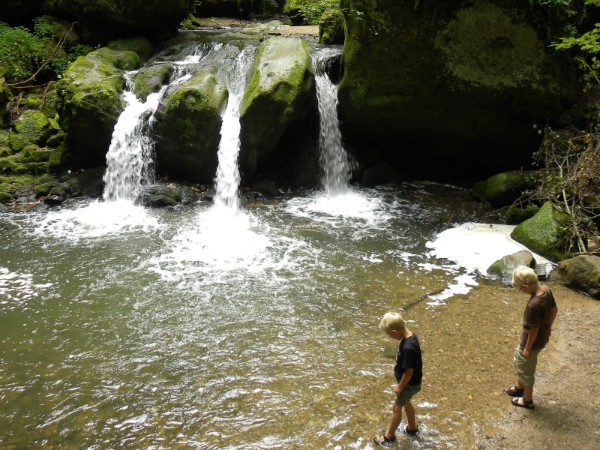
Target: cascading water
x: 224, y: 236
x: 335, y: 164
x: 228, y: 173
x: 338, y: 198
x: 129, y: 158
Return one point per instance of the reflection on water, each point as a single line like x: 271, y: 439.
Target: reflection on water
x: 187, y: 327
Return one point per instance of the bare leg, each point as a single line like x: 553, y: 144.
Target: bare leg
x: 394, y: 421
x: 411, y: 418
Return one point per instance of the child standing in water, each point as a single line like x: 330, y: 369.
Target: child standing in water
x: 408, y: 371
x: 538, y: 318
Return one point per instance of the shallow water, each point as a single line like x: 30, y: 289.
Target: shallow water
x: 201, y: 328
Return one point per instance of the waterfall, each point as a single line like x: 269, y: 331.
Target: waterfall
x: 129, y: 157
x: 233, y: 74
x: 334, y: 160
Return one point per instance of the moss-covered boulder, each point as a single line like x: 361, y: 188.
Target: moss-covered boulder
x: 463, y: 81
x: 504, y: 188
x: 32, y: 127
x: 546, y: 233
x: 188, y: 126
x: 582, y: 273
x: 331, y: 29
x: 150, y: 79
x: 90, y: 102
x: 148, y: 17
x: 141, y: 46
x: 277, y: 98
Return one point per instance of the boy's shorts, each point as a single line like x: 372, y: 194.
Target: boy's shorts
x: 407, y: 393
x: 526, y: 367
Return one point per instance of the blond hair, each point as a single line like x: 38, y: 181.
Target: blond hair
x: 524, y: 275
x: 392, y: 321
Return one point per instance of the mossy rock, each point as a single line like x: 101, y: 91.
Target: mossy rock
x: 5, y: 197
x: 188, y: 127
x: 90, y: 105
x: 463, y: 81
x: 582, y: 273
x: 121, y: 59
x: 504, y: 188
x: 151, y: 79
x: 279, y: 95
x: 331, y: 29
x: 33, y: 127
x: 546, y: 233
x: 139, y: 45
x: 516, y: 214
x: 505, y: 266
x: 14, y: 185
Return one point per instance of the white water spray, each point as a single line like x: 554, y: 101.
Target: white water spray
x: 129, y: 158
x: 228, y: 173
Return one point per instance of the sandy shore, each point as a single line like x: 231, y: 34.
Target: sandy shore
x: 567, y: 391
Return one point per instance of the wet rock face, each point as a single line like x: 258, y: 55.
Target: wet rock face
x: 582, y: 273
x: 279, y: 96
x: 187, y: 131
x: 462, y: 81
x: 142, y: 16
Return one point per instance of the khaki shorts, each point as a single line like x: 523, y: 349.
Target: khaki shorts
x: 526, y: 367
x: 407, y: 393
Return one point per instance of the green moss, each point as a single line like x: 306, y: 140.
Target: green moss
x: 545, y: 233
x: 9, y: 184
x: 141, y: 46
x: 331, y: 29
x: 124, y: 60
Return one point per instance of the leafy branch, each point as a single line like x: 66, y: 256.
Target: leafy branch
x: 570, y: 179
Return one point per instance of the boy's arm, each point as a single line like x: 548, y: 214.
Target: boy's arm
x: 406, y: 376
x: 531, y: 335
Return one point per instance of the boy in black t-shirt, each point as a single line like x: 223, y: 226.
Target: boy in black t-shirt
x: 408, y: 371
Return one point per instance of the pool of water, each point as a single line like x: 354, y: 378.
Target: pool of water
x: 197, y: 327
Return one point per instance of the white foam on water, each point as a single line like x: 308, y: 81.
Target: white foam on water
x: 222, y: 240
x: 473, y: 247
x: 476, y: 246
x: 97, y: 219
x: 348, y: 205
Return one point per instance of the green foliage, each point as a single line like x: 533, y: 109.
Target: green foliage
x: 312, y: 10
x: 20, y: 52
x: 570, y: 179
x: 47, y: 50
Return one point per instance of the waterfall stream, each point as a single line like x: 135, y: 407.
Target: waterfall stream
x: 129, y: 158
x: 335, y: 163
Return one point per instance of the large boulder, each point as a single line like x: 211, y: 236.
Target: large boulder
x: 504, y: 267
x: 582, y: 273
x: 226, y: 8
x: 462, y: 81
x: 148, y: 17
x: 188, y: 126
x: 279, y: 97
x: 544, y: 233
x: 504, y: 188
x: 90, y: 102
